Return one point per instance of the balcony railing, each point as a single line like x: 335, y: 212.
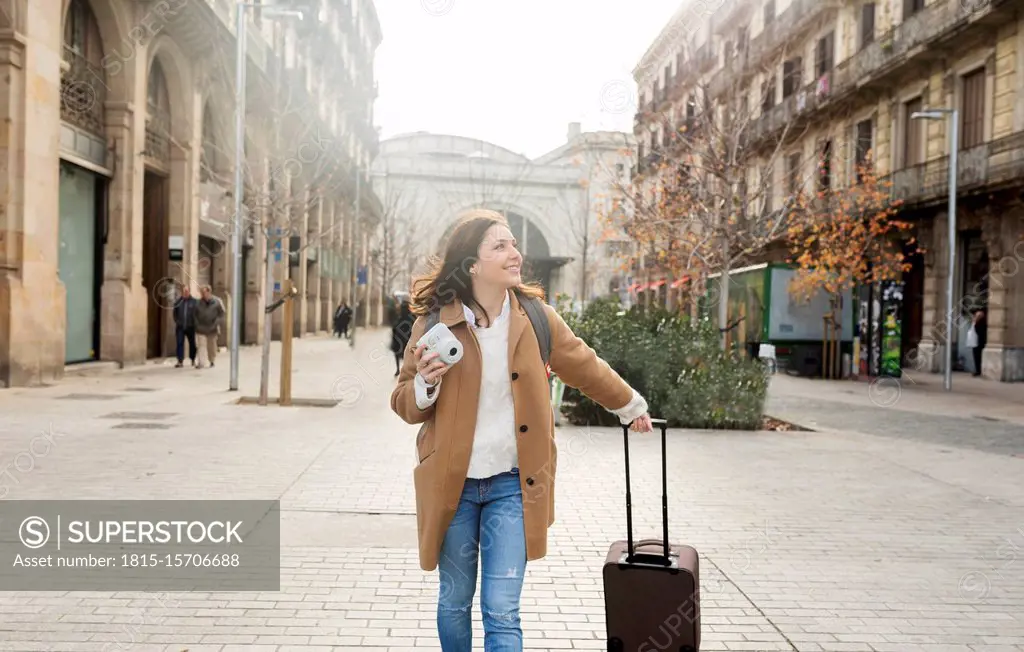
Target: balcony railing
x: 995, y: 162
x: 83, y: 93
x: 799, y: 103
x: 921, y: 28
x: 933, y: 21
x: 796, y: 17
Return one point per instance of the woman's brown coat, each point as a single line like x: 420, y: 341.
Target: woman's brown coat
x: 445, y: 441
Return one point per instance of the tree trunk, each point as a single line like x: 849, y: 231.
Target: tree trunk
x: 267, y: 324
x: 583, y: 275
x: 723, y: 294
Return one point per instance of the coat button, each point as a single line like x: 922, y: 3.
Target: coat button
x: 529, y: 481
x: 523, y: 428
x: 515, y: 375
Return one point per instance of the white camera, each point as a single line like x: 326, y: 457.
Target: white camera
x: 442, y: 341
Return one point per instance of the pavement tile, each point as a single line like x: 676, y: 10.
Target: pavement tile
x: 856, y: 538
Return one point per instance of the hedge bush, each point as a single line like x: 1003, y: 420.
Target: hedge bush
x: 674, y: 362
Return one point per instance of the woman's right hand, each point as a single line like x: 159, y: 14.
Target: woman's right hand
x: 428, y: 367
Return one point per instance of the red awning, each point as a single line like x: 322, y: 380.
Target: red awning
x: 679, y: 282
x: 657, y: 284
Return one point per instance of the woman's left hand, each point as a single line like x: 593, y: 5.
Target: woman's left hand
x: 642, y: 424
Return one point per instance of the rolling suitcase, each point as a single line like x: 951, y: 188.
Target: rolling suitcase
x: 652, y: 589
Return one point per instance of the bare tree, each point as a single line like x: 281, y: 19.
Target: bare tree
x: 305, y: 167
x: 576, y: 204
x: 396, y: 241
x: 709, y: 199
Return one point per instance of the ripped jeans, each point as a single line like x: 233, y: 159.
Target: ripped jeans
x: 488, y: 525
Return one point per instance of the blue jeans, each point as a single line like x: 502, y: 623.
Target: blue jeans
x: 488, y: 525
x: 180, y: 335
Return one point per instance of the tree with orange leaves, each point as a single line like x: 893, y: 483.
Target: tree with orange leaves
x: 850, y: 236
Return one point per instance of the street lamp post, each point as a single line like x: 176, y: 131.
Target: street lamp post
x: 954, y: 124
x: 241, y: 37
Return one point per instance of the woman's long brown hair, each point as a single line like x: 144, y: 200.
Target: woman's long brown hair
x: 448, y: 278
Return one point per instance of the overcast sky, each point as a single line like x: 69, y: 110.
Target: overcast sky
x: 513, y: 72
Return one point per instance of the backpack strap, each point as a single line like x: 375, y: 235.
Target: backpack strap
x: 539, y: 319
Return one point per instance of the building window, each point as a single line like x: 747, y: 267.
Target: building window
x: 793, y: 173
x: 791, y: 76
x: 825, y: 167
x: 973, y: 111
x: 911, y: 7
x: 913, y: 136
x: 768, y: 94
x: 824, y: 54
x: 864, y: 143
x: 867, y: 24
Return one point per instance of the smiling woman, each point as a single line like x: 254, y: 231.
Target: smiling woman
x: 486, y: 451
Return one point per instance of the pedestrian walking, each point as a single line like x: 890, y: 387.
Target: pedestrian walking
x: 485, y: 478
x: 977, y: 338
x: 401, y: 330
x: 184, y: 313
x: 210, y: 315
x: 342, y: 317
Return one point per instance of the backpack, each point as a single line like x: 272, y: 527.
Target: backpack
x: 538, y: 318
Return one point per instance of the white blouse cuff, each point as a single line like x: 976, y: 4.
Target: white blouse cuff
x: 423, y: 401
x: 632, y: 410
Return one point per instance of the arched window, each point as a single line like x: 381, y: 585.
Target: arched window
x: 158, y: 114
x: 208, y: 158
x: 83, y: 84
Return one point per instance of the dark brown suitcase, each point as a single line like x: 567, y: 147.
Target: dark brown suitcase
x: 651, y: 589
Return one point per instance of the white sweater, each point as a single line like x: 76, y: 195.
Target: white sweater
x: 494, y: 442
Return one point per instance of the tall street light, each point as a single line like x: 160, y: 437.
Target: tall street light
x: 241, y: 38
x: 954, y: 124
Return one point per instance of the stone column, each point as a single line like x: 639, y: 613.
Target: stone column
x: 184, y: 222
x: 300, y: 227
x: 256, y: 262
x: 1003, y: 355
x: 279, y: 244
x: 327, y: 297
x: 341, y: 226
x: 365, y: 293
x: 123, y: 299
x: 316, y: 238
x: 931, y: 352
x: 32, y: 298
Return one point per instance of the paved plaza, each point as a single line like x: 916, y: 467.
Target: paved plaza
x: 885, y: 529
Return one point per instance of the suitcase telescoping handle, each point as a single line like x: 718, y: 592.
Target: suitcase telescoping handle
x: 645, y: 558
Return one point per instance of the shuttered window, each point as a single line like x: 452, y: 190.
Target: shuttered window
x: 973, y: 121
x: 913, y: 133
x: 867, y: 24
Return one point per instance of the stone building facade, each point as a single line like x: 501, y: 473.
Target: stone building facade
x: 843, y: 79
x: 554, y: 203
x: 117, y: 169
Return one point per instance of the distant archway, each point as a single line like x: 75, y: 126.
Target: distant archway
x: 539, y: 264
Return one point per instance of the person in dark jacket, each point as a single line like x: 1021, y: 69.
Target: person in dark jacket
x: 185, y: 324
x: 342, y: 316
x: 401, y: 331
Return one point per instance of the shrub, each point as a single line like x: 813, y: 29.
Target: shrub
x: 675, y: 363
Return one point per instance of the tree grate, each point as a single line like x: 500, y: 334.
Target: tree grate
x: 138, y: 416
x: 142, y: 425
